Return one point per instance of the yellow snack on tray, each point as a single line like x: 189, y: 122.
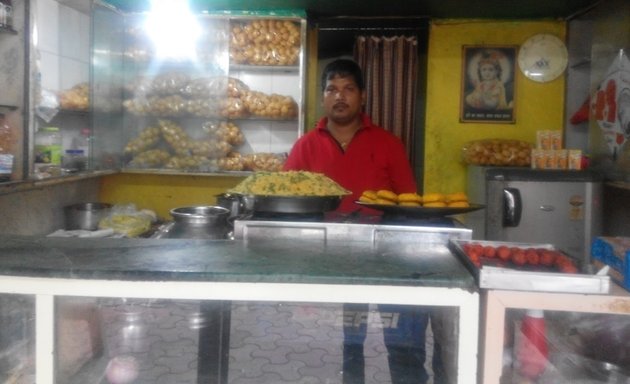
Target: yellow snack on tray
x: 434, y: 204
x: 433, y: 197
x: 459, y: 204
x: 369, y: 194
x: 384, y: 202
x: 457, y: 196
x: 365, y: 199
x: 409, y: 198
x: 387, y: 195
x: 409, y: 204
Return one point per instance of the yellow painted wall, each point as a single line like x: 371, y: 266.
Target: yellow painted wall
x: 161, y: 193
x: 538, y: 105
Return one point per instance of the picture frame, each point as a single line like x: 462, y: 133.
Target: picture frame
x: 488, y: 86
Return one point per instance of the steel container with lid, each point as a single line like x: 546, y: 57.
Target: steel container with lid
x: 199, y: 222
x: 85, y: 216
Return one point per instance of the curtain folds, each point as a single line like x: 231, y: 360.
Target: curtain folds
x: 390, y: 67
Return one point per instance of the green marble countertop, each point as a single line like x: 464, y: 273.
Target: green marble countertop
x: 271, y: 261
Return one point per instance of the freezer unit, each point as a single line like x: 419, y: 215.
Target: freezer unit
x: 563, y: 208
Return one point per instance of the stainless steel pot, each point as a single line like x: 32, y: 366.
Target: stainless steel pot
x: 85, y: 215
x: 198, y: 222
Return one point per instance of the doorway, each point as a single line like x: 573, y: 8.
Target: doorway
x: 336, y: 38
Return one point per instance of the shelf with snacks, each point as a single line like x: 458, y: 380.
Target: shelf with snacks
x: 238, y: 108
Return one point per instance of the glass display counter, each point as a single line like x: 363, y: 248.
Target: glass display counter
x: 584, y: 337
x: 176, y: 310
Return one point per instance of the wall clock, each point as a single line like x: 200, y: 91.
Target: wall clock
x: 543, y: 57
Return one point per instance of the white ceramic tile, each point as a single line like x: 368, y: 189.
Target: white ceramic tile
x: 71, y: 34
x: 49, y: 68
x: 47, y: 23
x: 282, y: 136
x: 84, y: 38
x: 285, y: 84
x: 74, y: 72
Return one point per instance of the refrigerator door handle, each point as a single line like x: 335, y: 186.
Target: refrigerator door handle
x: 512, y: 207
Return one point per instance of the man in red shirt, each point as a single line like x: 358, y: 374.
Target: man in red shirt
x: 347, y: 147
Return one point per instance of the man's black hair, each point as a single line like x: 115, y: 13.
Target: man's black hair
x: 343, y: 68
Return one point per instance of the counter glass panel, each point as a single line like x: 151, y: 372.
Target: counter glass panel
x: 209, y: 341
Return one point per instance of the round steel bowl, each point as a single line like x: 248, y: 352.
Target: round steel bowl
x: 85, y: 216
x: 199, y: 222
x: 200, y: 215
x: 291, y: 204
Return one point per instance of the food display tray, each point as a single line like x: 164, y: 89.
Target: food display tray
x: 421, y: 212
x: 506, y: 276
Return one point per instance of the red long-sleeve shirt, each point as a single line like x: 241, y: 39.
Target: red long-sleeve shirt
x: 375, y: 159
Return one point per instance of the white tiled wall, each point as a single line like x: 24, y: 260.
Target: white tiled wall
x: 63, y: 45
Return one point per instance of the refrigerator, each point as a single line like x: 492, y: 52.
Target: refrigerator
x: 558, y: 207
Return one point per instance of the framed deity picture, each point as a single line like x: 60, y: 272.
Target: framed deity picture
x: 488, y: 84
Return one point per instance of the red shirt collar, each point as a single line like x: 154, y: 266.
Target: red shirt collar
x: 366, y: 122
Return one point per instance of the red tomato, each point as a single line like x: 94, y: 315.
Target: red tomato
x: 474, y: 256
x: 518, y: 257
x: 547, y: 258
x: 489, y: 251
x: 504, y: 252
x: 561, y: 260
x: 478, y: 248
x: 568, y: 268
x: 533, y: 258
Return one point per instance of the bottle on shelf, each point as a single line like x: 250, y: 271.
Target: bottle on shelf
x: 74, y: 160
x: 48, y: 144
x: 6, y: 150
x: 82, y: 143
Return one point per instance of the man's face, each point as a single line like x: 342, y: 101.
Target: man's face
x: 343, y: 100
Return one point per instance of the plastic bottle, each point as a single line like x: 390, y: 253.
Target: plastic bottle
x: 48, y: 146
x: 82, y: 142
x: 532, y: 351
x: 6, y: 150
x: 74, y: 160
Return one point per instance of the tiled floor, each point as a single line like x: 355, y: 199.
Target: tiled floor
x: 270, y: 343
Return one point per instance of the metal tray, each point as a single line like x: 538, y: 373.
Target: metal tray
x: 508, y: 277
x: 291, y: 204
x: 421, y: 212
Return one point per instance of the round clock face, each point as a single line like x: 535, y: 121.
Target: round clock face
x: 543, y: 57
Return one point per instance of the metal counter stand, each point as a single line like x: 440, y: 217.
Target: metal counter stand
x: 267, y: 262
